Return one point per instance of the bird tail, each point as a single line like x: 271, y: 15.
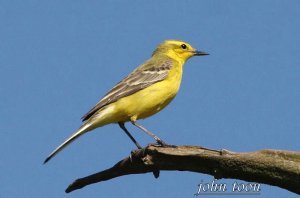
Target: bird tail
x: 83, y: 129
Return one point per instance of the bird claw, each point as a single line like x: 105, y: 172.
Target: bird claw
x: 160, y: 143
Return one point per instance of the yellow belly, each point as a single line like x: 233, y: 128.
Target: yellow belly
x: 150, y: 100
x: 141, y: 104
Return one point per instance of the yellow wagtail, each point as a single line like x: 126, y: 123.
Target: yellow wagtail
x: 144, y: 92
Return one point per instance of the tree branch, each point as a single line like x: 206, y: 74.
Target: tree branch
x: 274, y: 167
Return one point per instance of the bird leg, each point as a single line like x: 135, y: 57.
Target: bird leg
x: 157, y: 139
x: 122, y: 126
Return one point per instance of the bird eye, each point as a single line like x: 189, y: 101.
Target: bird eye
x: 183, y: 46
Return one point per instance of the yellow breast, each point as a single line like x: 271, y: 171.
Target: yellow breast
x: 152, y: 99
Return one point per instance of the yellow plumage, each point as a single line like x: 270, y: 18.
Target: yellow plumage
x: 144, y: 92
x: 148, y: 101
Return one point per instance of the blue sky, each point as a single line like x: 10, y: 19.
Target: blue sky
x: 58, y: 58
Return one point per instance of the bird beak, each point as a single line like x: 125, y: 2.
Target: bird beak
x: 200, y: 53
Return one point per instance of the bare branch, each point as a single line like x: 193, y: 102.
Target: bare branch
x: 274, y: 167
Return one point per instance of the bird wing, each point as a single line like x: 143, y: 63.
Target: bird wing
x: 144, y: 76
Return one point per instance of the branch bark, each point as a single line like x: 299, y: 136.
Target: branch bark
x: 274, y: 167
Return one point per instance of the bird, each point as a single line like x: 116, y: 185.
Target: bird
x: 144, y: 92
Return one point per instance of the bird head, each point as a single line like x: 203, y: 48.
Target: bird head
x: 178, y: 50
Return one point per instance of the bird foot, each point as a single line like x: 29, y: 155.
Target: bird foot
x: 160, y: 143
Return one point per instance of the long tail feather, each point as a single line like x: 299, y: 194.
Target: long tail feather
x: 74, y: 136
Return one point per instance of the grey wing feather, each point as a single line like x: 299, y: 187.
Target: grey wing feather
x: 136, y: 81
